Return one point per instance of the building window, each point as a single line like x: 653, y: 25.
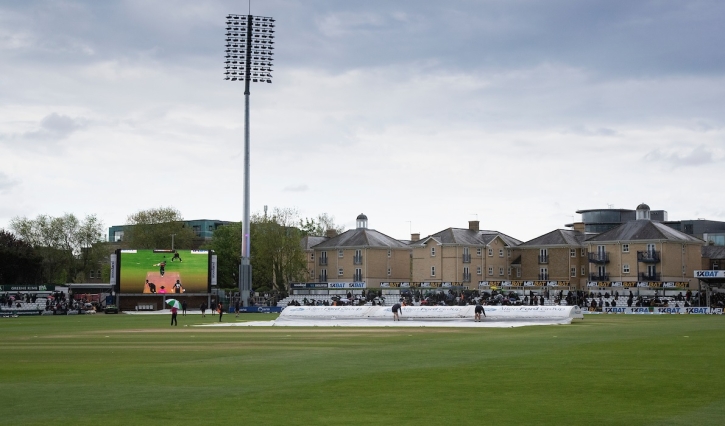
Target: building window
x: 625, y: 269
x: 340, y: 253
x: 389, y: 252
x: 509, y: 271
x: 573, y: 270
x: 478, y: 251
x: 432, y: 252
x: 389, y: 273
x: 478, y: 270
x: 500, y: 270
x: 98, y: 274
x: 490, y: 270
x: 490, y: 251
x: 518, y: 272
x: 508, y: 253
x: 584, y: 253
x: 118, y: 236
x: 572, y: 253
x: 211, y: 227
x: 500, y: 252
x: 432, y: 271
x: 340, y: 272
x: 90, y: 274
x: 584, y: 272
x: 358, y: 275
x: 312, y: 256
x: 625, y: 248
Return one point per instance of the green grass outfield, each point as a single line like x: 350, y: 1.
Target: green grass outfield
x: 136, y: 370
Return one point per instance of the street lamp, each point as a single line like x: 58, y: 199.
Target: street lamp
x: 249, y: 46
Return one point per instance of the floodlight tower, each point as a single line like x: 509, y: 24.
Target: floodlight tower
x: 249, y: 46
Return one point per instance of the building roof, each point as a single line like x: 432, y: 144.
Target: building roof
x: 309, y: 241
x: 465, y: 236
x: 361, y: 237
x: 362, y: 216
x: 644, y: 230
x: 713, y: 252
x: 558, y: 237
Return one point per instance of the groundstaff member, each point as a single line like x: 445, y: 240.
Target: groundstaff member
x: 397, y: 310
x: 478, y: 311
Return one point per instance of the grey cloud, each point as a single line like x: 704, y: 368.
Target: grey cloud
x: 584, y: 131
x: 6, y: 183
x: 296, y: 188
x: 50, y: 131
x: 620, y: 38
x: 698, y: 156
x: 54, y: 127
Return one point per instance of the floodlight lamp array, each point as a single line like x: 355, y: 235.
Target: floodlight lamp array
x: 249, y: 48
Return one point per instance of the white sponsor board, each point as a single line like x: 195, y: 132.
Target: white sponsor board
x: 113, y: 269
x: 661, y: 311
x: 357, y: 284
x: 709, y: 274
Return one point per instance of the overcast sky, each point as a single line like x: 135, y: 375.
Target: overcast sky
x: 421, y: 114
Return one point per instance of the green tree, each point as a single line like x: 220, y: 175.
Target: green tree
x: 227, y: 245
x: 154, y: 228
x: 19, y: 263
x: 319, y: 225
x: 276, y: 254
x: 65, y: 243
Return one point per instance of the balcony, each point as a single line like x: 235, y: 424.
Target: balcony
x: 646, y: 276
x: 543, y: 277
x: 357, y: 259
x: 467, y: 277
x: 467, y: 258
x: 322, y: 261
x: 599, y: 257
x: 598, y: 277
x: 543, y: 258
x: 650, y: 256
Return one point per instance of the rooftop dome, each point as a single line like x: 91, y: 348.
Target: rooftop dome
x: 643, y: 206
x: 643, y: 212
x: 362, y: 221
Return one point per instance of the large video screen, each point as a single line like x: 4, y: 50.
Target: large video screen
x: 163, y: 271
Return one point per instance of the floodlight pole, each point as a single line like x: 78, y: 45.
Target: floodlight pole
x: 245, y: 268
x: 248, y: 37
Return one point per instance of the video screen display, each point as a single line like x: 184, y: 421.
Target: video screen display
x: 163, y: 271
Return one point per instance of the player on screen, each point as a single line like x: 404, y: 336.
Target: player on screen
x: 162, y: 267
x: 177, y: 287
x: 176, y: 256
x: 151, y: 287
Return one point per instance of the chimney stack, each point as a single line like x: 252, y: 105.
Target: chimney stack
x: 579, y: 226
x: 331, y: 233
x: 414, y: 237
x: 473, y: 225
